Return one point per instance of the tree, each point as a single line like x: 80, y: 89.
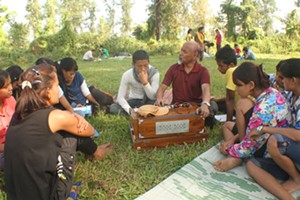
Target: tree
x: 74, y: 11
x: 157, y: 6
x: 233, y: 16
x: 245, y: 21
x: 126, y: 19
x: 50, y: 10
x: 18, y: 35
x: 152, y: 23
x: 292, y: 23
x: 3, y: 20
x: 34, y: 17
x: 104, y: 29
x: 140, y: 32
x: 92, y: 17
x: 167, y: 17
x: 195, y: 13
x: 260, y: 14
x: 110, y: 8
x: 173, y: 12
x: 267, y: 10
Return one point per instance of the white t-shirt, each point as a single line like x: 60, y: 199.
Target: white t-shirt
x: 88, y: 55
x: 136, y: 89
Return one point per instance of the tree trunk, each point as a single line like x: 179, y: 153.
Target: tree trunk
x: 158, y: 19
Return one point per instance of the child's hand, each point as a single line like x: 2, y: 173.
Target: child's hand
x: 253, y: 135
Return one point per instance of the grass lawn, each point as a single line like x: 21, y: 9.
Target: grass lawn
x: 127, y: 173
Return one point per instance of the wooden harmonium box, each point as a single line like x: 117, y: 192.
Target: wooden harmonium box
x: 153, y: 126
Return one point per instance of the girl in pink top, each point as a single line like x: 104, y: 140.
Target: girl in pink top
x: 7, y: 109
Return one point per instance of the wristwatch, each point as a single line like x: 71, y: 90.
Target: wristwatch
x: 259, y: 128
x: 206, y: 102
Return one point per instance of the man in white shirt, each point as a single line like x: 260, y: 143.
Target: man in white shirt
x: 88, y: 56
x: 142, y: 80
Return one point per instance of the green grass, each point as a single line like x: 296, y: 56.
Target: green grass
x: 127, y: 173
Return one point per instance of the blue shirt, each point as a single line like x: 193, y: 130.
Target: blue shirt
x: 74, y: 92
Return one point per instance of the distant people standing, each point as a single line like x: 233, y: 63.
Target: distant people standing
x: 199, y: 38
x: 190, y: 35
x: 248, y: 54
x: 218, y: 39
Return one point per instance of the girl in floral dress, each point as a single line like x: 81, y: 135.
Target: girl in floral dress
x: 284, y: 143
x: 270, y: 109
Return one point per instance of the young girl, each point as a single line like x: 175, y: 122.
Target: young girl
x: 7, y: 109
x: 14, y: 72
x: 284, y: 143
x: 33, y: 164
x: 269, y: 109
x: 85, y: 144
x: 73, y: 84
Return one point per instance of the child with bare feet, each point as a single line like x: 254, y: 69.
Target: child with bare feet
x: 270, y: 109
x: 232, y: 104
x: 284, y: 143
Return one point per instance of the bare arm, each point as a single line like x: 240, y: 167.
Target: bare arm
x: 217, y: 100
x: 64, y: 102
x: 87, y: 93
x: 292, y: 133
x: 205, y: 92
x: 92, y: 99
x: 64, y: 120
x: 204, y: 109
x: 160, y: 94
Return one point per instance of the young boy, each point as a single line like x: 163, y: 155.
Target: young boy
x: 231, y: 104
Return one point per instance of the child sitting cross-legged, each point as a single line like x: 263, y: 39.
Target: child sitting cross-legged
x: 270, y: 109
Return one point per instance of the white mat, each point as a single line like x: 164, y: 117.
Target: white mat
x: 199, y: 180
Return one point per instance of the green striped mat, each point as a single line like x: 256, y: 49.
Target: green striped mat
x: 199, y: 180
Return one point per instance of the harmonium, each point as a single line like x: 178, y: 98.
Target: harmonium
x: 152, y: 126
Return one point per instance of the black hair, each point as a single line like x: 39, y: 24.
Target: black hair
x: 200, y: 28
x: 235, y: 45
x: 14, y: 72
x: 140, y: 55
x: 245, y: 49
x: 247, y: 72
x: 279, y: 65
x: 45, y: 60
x: 3, y: 77
x: 68, y: 64
x: 190, y: 30
x: 226, y: 55
x: 290, y: 68
x: 48, y: 61
x: 33, y: 96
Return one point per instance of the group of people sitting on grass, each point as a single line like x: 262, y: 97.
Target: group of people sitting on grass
x: 90, y: 54
x: 248, y: 54
x: 39, y: 141
x: 264, y: 135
